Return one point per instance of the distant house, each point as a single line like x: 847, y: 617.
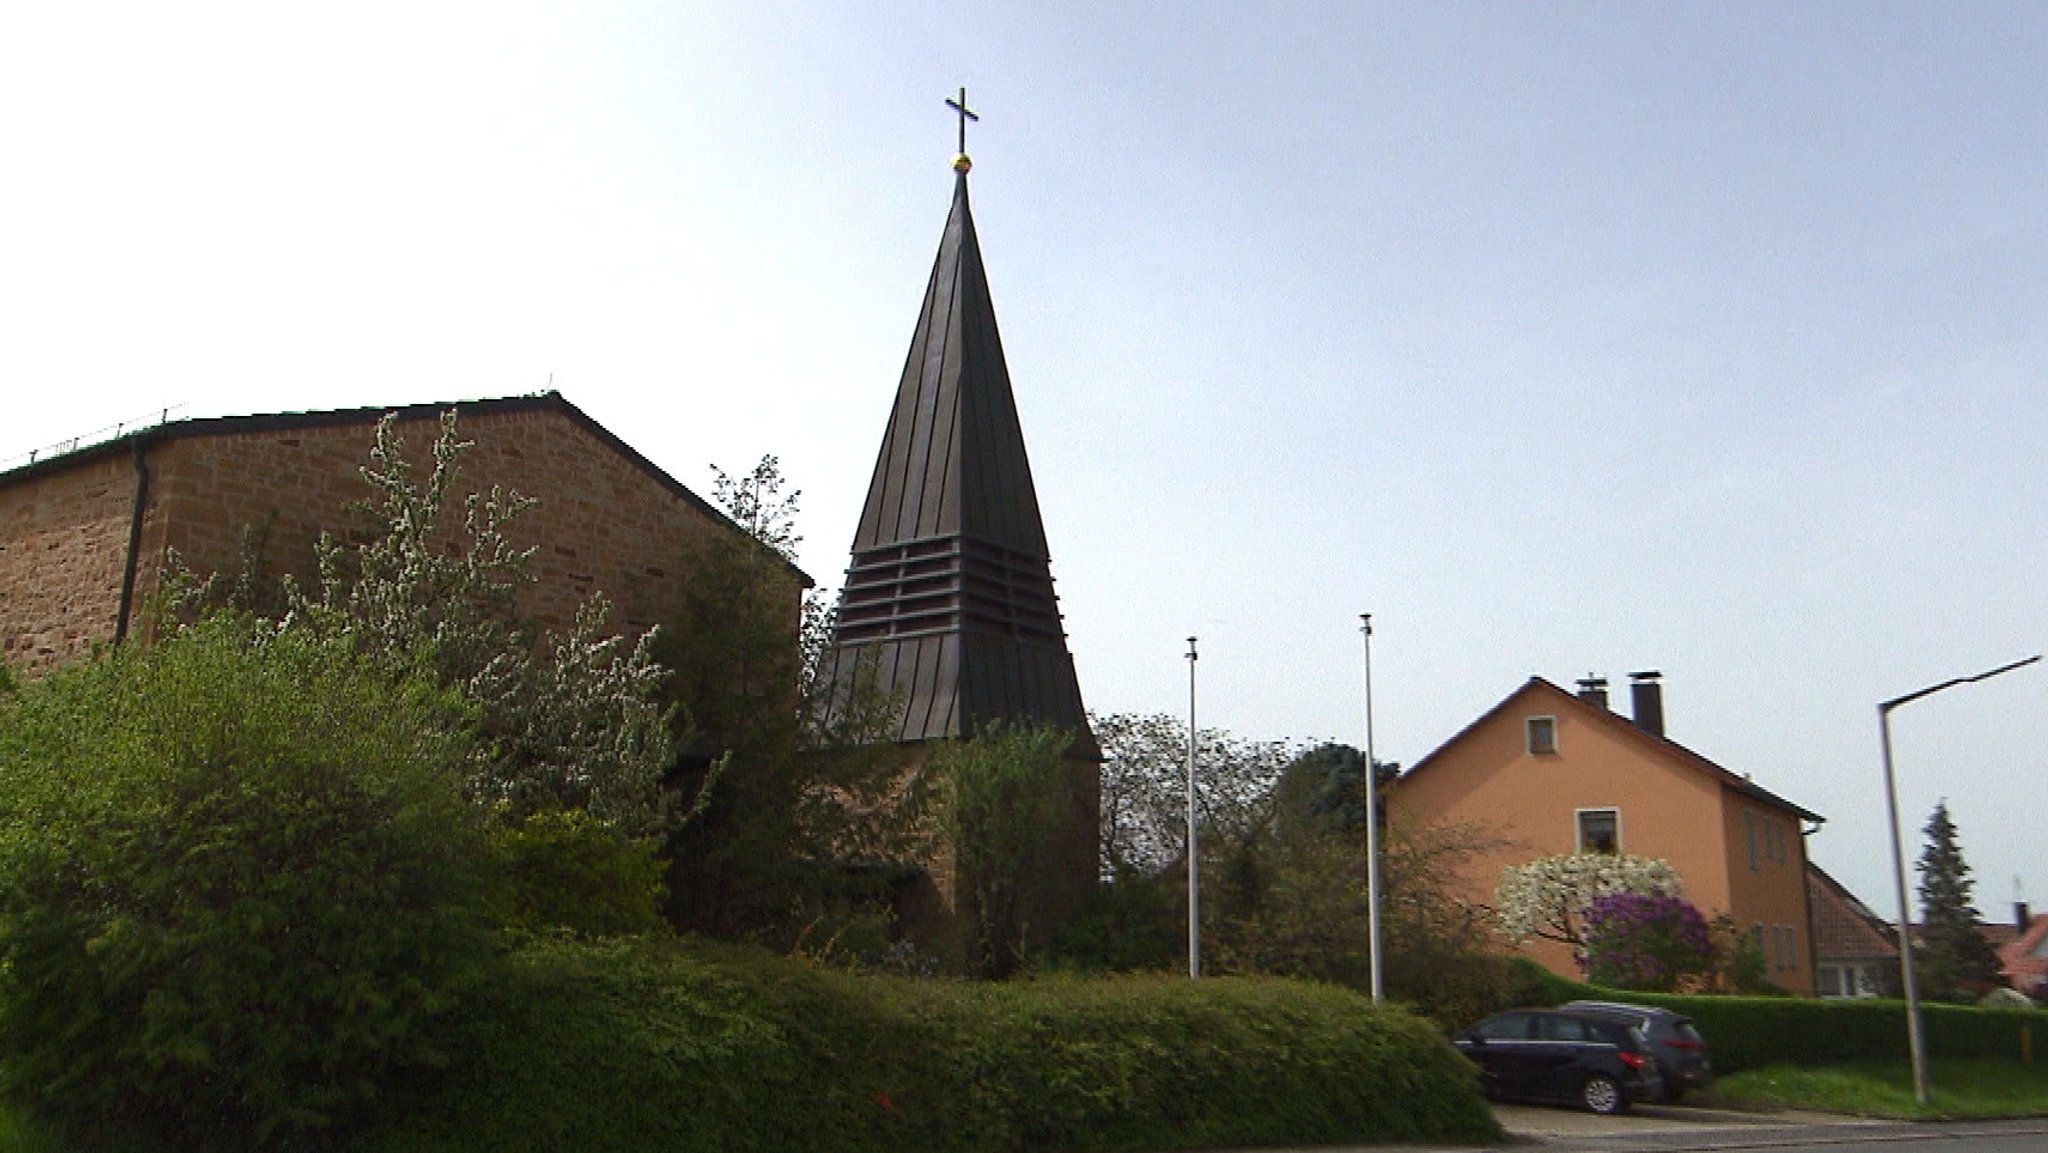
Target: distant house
x: 84, y: 535
x: 1551, y: 772
x: 1855, y: 951
x: 2024, y: 959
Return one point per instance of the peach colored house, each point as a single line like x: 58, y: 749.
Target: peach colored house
x: 1548, y: 772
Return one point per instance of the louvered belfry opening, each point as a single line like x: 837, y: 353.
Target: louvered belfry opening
x: 950, y: 590
x: 946, y: 585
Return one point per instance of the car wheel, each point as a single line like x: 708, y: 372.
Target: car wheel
x: 1602, y: 1094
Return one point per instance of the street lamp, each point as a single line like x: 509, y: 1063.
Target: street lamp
x: 1372, y: 823
x: 1916, y: 1038
x: 1194, y: 870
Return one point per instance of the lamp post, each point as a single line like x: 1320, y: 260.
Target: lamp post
x: 1194, y: 871
x: 1372, y: 823
x: 1916, y: 1038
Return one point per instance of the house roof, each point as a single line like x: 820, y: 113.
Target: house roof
x: 1664, y: 747
x: 2025, y: 957
x: 550, y: 401
x: 952, y: 462
x: 1844, y: 928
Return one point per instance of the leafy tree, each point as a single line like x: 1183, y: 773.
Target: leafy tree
x: 1649, y: 942
x: 791, y: 794
x: 1956, y: 962
x: 1001, y: 800
x: 757, y: 504
x: 569, y: 872
x: 1131, y: 922
x: 571, y: 723
x: 1547, y: 897
x: 1440, y: 948
x: 239, y: 884
x: 1293, y: 893
x: 1144, y: 788
x: 1739, y: 962
x: 564, y: 721
x: 1334, y: 776
x: 1298, y: 898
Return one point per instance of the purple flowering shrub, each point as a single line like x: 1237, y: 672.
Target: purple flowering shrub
x: 1647, y: 943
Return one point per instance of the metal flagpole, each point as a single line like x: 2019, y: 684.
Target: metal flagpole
x: 1194, y: 872
x: 1372, y: 822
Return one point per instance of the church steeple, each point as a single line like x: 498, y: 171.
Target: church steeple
x: 950, y: 587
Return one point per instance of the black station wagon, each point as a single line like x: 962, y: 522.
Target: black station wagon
x: 1593, y: 1060
x: 1682, y: 1057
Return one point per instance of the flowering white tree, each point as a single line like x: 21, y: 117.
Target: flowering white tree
x: 574, y: 724
x: 1546, y: 897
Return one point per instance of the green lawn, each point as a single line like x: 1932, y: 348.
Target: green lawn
x: 1962, y: 1088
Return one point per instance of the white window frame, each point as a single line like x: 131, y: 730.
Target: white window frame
x: 1579, y: 826
x: 1529, y: 727
x: 1835, y: 981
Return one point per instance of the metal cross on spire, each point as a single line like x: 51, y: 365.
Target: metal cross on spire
x: 960, y: 162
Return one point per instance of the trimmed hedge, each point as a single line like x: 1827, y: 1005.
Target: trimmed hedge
x: 1751, y: 1032
x: 645, y: 1045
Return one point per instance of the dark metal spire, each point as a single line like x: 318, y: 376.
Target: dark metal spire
x: 950, y: 588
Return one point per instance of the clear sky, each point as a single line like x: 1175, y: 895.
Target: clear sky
x: 1561, y: 338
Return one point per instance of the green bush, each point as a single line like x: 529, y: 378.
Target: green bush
x: 1451, y: 987
x: 1130, y: 923
x: 1750, y: 1032
x: 568, y: 870
x: 238, y: 882
x: 643, y: 1044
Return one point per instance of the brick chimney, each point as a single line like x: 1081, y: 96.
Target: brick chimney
x: 1593, y: 690
x: 1646, y: 694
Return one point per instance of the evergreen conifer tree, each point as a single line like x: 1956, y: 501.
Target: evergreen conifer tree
x: 1955, y: 959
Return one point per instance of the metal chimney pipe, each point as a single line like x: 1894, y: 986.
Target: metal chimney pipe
x: 1646, y: 695
x: 1593, y: 690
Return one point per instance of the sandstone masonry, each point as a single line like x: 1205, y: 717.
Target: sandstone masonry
x: 607, y: 519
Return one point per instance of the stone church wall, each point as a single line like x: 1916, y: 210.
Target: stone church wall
x: 602, y: 522
x: 63, y: 537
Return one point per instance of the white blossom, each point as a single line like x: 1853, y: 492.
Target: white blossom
x: 1545, y: 897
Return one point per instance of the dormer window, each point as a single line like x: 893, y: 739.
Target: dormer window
x: 1542, y: 735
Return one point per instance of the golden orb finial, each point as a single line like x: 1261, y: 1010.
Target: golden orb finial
x: 960, y: 162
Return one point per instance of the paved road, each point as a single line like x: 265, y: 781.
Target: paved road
x: 1667, y: 1130
x: 1675, y: 1129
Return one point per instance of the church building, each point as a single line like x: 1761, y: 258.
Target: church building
x: 949, y: 594
x: 85, y: 535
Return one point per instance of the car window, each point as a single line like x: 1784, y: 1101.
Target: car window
x: 1506, y: 1027
x: 1564, y: 1029
x: 1629, y: 1012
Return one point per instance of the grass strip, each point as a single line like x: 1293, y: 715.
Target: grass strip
x: 1962, y: 1089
